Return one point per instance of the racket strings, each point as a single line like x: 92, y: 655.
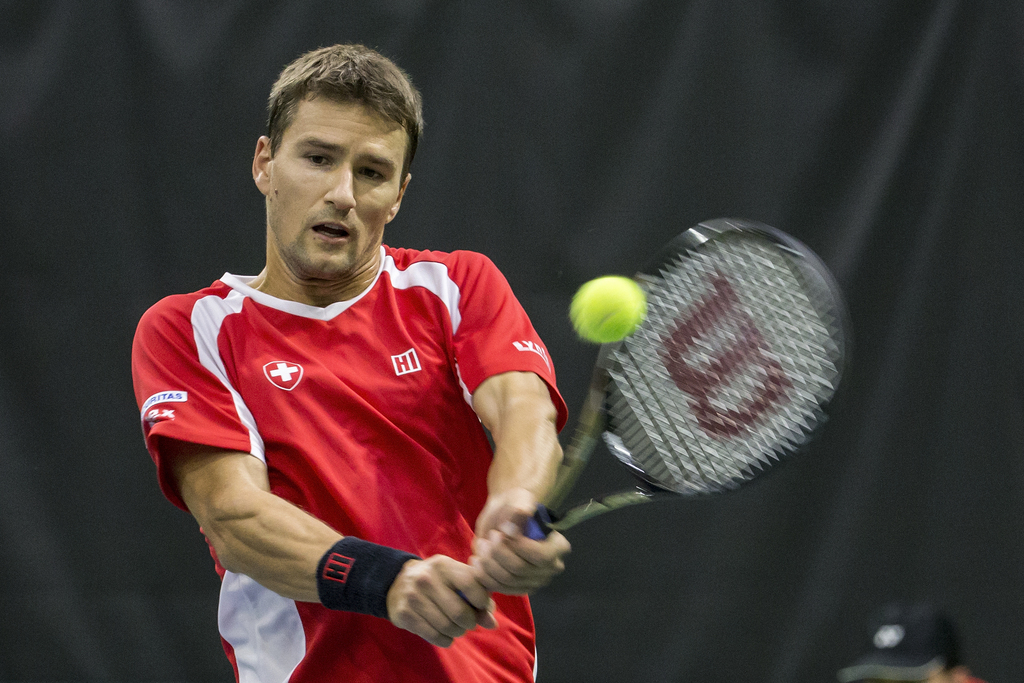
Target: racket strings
x: 729, y: 371
x: 657, y: 428
x: 661, y: 426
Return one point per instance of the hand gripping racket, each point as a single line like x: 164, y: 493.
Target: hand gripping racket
x: 742, y: 349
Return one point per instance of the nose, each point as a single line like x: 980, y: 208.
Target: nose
x: 342, y: 191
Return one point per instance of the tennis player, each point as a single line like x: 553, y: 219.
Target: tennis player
x: 324, y: 420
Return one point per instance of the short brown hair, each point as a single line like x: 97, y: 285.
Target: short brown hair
x: 347, y: 73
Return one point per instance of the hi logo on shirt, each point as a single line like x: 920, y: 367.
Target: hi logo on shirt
x: 282, y: 374
x: 406, y: 362
x: 535, y: 347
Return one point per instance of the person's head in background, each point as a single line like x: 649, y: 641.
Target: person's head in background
x: 909, y: 642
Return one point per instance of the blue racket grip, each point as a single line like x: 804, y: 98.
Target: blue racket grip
x: 538, y: 526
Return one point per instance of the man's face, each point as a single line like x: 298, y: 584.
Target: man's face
x: 331, y: 187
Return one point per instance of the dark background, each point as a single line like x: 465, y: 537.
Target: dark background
x: 566, y: 140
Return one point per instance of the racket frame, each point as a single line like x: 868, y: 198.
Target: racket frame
x: 593, y: 420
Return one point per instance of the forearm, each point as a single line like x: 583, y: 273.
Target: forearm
x: 281, y: 547
x: 270, y: 540
x: 253, y: 531
x: 259, y: 534
x: 527, y: 452
x: 516, y: 407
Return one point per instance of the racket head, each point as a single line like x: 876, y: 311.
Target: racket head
x: 744, y: 346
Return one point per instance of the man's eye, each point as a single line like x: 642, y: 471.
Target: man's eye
x: 371, y: 173
x: 316, y: 159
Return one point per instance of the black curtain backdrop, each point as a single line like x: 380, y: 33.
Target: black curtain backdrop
x: 566, y: 140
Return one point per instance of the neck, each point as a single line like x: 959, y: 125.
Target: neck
x: 281, y: 283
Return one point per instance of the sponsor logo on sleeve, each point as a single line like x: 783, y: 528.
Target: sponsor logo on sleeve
x: 165, y: 397
x: 535, y: 348
x: 159, y: 415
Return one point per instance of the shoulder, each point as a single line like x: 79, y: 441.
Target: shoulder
x: 404, y: 258
x: 464, y: 269
x: 176, y: 310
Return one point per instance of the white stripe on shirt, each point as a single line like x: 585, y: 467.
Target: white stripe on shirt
x: 431, y: 275
x: 207, y: 316
x: 264, y: 629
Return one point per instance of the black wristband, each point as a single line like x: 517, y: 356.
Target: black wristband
x: 355, y: 576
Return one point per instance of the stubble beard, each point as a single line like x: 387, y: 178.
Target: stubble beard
x: 308, y: 261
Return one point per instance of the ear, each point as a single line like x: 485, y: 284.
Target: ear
x: 398, y: 202
x: 262, y: 162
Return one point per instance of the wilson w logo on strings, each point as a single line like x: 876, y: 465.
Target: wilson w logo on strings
x: 744, y: 356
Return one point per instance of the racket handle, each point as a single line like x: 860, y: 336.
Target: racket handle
x: 538, y: 526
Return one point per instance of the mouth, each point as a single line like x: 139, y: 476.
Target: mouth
x: 331, y: 230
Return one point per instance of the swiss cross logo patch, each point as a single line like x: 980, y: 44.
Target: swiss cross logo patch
x: 282, y: 374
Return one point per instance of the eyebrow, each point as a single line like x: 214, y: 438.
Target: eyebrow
x: 317, y: 143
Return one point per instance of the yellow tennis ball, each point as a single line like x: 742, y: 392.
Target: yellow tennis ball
x: 608, y: 309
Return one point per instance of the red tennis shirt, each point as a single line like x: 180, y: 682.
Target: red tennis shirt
x: 362, y: 412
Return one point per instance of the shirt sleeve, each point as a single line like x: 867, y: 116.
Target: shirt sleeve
x: 178, y: 397
x: 494, y: 333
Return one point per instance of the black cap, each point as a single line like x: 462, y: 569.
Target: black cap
x: 907, y: 643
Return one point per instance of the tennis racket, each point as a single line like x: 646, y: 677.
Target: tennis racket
x: 742, y: 349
